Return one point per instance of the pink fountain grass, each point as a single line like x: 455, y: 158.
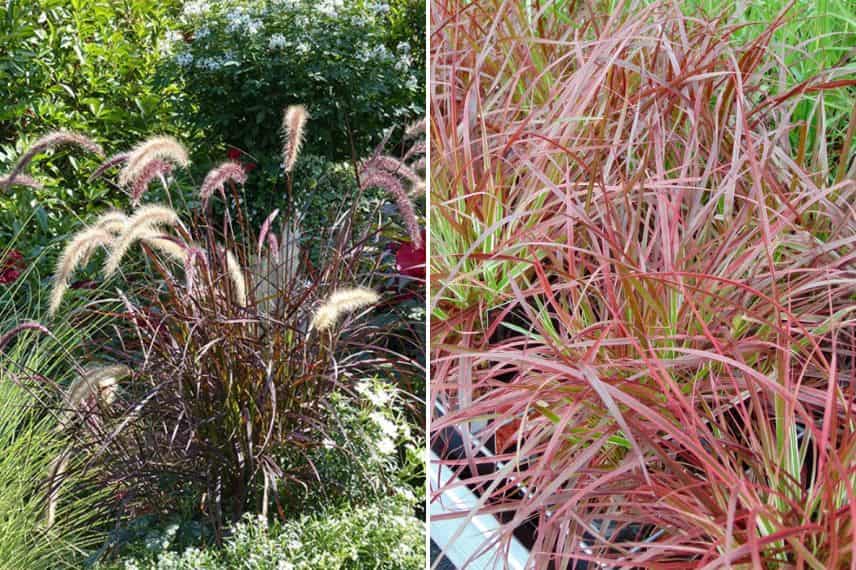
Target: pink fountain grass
x: 643, y: 289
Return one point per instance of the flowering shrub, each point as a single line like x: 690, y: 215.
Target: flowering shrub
x: 242, y: 61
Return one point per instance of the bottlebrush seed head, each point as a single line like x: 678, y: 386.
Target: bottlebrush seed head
x: 19, y: 180
x: 341, y: 302
x: 141, y: 225
x: 159, y: 147
x: 53, y: 140
x: 76, y: 253
x: 216, y: 179
x: 153, y: 169
x: 114, y: 160
x: 293, y: 124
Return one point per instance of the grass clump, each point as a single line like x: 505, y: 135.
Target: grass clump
x: 643, y: 286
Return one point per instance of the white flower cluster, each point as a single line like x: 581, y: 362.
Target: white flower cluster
x: 216, y: 62
x: 184, y: 59
x: 240, y: 20
x: 277, y: 41
x: 167, y: 44
x: 380, y: 397
x: 379, y: 8
x: 329, y: 7
x: 405, y: 60
x: 195, y: 8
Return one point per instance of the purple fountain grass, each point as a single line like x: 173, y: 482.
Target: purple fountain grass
x: 113, y: 161
x: 19, y: 180
x: 264, y: 232
x: 393, y: 166
x: 217, y: 178
x: 155, y: 168
x: 8, y: 336
x: 293, y: 124
x: 50, y: 141
x: 374, y: 177
x: 155, y: 148
x: 233, y: 384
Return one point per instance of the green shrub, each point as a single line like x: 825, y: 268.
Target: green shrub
x: 242, y: 61
x: 84, y: 66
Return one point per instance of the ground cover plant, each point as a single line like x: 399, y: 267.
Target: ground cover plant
x: 643, y: 282
x: 232, y: 357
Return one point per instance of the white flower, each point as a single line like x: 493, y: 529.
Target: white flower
x: 173, y: 36
x: 302, y: 48
x: 386, y: 446
x: 328, y: 443
x: 195, y: 8
x: 329, y: 7
x: 404, y: 63
x: 379, y: 7
x: 388, y: 428
x: 403, y: 47
x: 277, y: 41
x: 209, y: 64
x: 379, y: 52
x: 184, y: 59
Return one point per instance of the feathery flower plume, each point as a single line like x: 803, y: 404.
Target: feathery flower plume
x: 112, y: 221
x: 95, y: 383
x: 162, y: 147
x: 77, y: 252
x: 292, y: 127
x: 145, y: 221
x: 418, y: 149
x: 99, y: 382
x: 166, y: 245
x: 53, y: 140
x: 25, y: 326
x: 153, y: 168
x: 388, y: 182
x: 114, y: 160
x: 193, y: 253
x: 237, y: 277
x: 19, y: 180
x: 266, y: 228
x: 341, y: 302
x: 216, y: 179
x: 393, y: 166
x: 415, y: 128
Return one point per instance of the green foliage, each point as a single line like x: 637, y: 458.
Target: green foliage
x: 382, y: 535
x: 241, y: 62
x: 29, y: 443
x: 86, y: 66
